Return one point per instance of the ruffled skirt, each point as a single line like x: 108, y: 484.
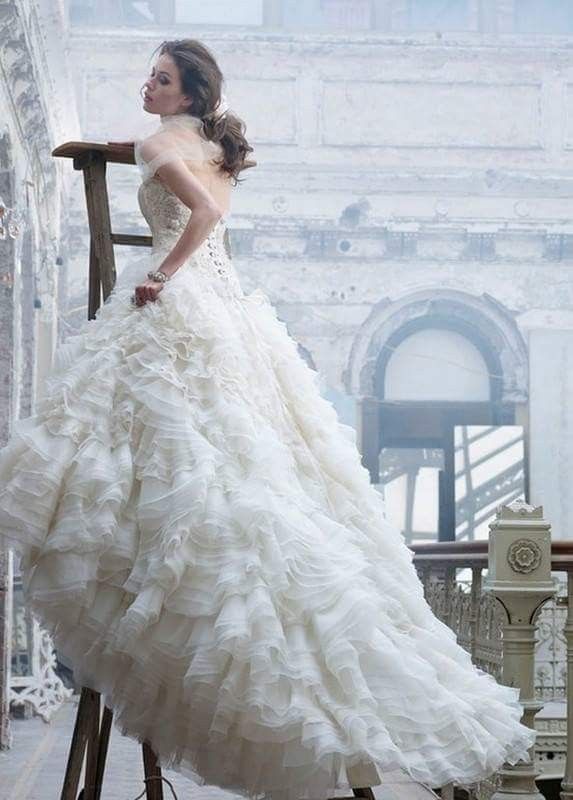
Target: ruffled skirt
x: 199, y: 536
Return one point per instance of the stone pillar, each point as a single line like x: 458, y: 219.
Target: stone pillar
x: 551, y: 426
x: 9, y: 324
x: 6, y: 578
x: 519, y: 576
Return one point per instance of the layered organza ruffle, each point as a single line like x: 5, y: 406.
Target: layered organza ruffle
x: 199, y: 535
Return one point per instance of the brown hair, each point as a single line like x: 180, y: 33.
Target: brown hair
x: 203, y: 80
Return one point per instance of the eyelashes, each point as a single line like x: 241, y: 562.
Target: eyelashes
x: 163, y: 81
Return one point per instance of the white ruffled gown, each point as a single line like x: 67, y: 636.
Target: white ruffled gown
x: 200, y: 537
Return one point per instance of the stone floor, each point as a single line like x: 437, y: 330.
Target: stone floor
x: 33, y: 768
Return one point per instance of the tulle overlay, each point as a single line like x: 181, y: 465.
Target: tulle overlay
x: 198, y: 534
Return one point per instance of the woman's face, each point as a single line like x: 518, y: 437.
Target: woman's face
x: 163, y: 91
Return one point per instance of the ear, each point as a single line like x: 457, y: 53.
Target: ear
x: 187, y: 103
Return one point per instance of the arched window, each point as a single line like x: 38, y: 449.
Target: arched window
x: 444, y: 443
x: 436, y: 364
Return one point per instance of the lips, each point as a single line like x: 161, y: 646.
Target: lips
x: 147, y: 97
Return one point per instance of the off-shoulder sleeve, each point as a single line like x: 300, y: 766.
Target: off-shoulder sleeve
x: 174, y: 142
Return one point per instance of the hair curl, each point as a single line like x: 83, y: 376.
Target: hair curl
x: 202, y: 79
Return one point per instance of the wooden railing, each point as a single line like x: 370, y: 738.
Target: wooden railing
x: 495, y: 611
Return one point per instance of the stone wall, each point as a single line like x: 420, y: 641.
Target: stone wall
x: 35, y: 115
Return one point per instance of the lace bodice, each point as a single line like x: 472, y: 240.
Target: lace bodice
x: 167, y: 217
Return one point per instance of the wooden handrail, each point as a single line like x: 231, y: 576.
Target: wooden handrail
x: 474, y: 554
x: 116, y: 153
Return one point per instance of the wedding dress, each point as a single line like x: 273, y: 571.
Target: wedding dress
x: 198, y: 534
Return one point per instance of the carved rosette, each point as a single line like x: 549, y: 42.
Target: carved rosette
x: 524, y: 555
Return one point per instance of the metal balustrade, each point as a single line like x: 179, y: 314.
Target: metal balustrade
x: 510, y: 602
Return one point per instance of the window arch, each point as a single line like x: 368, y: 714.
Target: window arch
x: 444, y: 377
x: 465, y: 354
x: 436, y: 364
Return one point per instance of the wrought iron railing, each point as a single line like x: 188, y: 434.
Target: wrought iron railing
x: 478, y: 591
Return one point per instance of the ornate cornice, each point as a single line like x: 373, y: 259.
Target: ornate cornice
x: 36, y: 82
x: 466, y: 43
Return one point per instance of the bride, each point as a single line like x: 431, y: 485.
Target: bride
x: 196, y: 528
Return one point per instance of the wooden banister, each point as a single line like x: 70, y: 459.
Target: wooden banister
x: 475, y: 554
x: 118, y: 154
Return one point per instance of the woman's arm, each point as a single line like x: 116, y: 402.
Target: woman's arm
x: 204, y: 215
x: 205, y: 212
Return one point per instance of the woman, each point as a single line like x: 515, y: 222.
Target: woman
x: 197, y: 530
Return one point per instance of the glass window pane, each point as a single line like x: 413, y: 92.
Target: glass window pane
x: 437, y: 364
x: 105, y: 12
x: 439, y: 15
x: 219, y: 12
x: 409, y: 483
x: 328, y: 14
x: 490, y: 471
x: 551, y: 16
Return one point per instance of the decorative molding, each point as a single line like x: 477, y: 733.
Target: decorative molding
x: 42, y: 688
x: 36, y: 79
x: 401, y: 243
x: 519, y: 508
x: 493, y: 323
x: 480, y: 246
x: 524, y: 556
x: 558, y: 246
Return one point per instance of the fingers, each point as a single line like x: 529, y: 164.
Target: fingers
x: 146, y: 292
x: 140, y: 295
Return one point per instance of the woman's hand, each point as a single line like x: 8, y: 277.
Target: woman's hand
x: 148, y: 290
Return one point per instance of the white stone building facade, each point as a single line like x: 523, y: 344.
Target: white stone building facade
x: 412, y: 198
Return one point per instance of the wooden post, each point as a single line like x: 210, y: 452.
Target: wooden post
x: 93, y: 747
x: 104, y: 735
x: 102, y: 259
x: 87, y: 709
x: 153, y: 783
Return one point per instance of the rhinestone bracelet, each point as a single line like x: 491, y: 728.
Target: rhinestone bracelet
x: 158, y: 276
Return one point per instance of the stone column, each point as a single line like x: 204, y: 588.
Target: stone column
x: 6, y: 578
x: 519, y: 576
x: 9, y: 324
